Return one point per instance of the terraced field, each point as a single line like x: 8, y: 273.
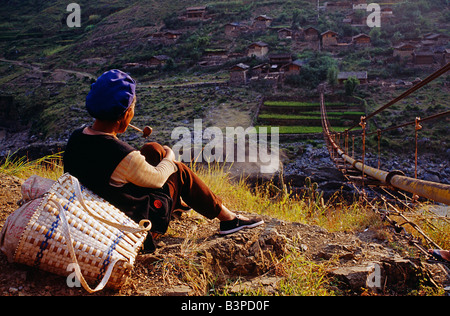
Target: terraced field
x: 303, y: 117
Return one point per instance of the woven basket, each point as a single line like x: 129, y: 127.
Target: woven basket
x: 73, y: 226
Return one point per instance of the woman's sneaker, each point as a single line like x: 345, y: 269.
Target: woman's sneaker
x: 229, y: 227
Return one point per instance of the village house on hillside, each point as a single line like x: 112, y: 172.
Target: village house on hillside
x: 239, y: 74
x: 159, y: 60
x: 329, y: 38
x: 361, y: 40
x: 285, y: 33
x: 427, y: 45
x: 273, y: 73
x: 437, y: 39
x: 258, y: 49
x: 196, y: 13
x: 235, y: 29
x: 404, y: 51
x: 311, y: 34
x: 355, y: 18
x: 280, y: 59
x: 424, y: 58
x: 262, y: 22
x: 360, y: 75
x: 165, y: 38
x: 293, y: 68
x: 214, y: 57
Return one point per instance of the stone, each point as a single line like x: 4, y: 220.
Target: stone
x: 179, y: 290
x: 354, y: 276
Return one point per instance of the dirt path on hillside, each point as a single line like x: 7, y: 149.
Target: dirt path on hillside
x: 192, y: 255
x: 37, y: 68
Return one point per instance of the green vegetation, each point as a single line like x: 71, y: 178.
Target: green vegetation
x: 289, y: 117
x: 303, y: 104
x: 315, y: 71
x: 49, y: 166
x: 350, y: 85
x: 279, y: 113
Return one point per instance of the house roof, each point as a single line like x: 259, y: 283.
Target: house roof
x: 300, y: 62
x: 173, y: 32
x: 428, y: 43
x: 311, y: 29
x: 260, y: 44
x: 285, y: 30
x: 263, y: 17
x: 405, y: 45
x: 360, y: 36
x: 297, y: 62
x: 196, y: 8
x: 329, y: 32
x: 435, y: 36
x: 424, y: 54
x: 240, y: 66
x: 283, y: 55
x: 357, y: 74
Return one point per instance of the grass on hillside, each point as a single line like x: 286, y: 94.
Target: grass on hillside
x: 50, y: 166
x: 301, y: 276
x: 308, y: 115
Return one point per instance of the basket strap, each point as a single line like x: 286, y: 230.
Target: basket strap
x: 144, y: 225
x: 69, y: 243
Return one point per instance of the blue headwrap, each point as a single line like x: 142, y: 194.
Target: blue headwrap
x: 111, y: 95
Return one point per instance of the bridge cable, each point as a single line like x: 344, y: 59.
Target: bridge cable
x: 416, y: 87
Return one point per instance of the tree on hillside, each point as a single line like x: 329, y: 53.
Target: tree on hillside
x: 332, y: 75
x: 314, y: 71
x: 350, y: 85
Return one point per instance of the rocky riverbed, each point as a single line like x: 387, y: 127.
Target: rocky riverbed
x: 313, y: 160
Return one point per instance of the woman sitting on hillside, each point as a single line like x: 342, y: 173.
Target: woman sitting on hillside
x: 145, y: 184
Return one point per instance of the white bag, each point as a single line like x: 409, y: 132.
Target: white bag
x: 73, y: 226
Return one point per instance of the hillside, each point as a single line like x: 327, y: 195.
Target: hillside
x: 241, y: 64
x: 47, y: 67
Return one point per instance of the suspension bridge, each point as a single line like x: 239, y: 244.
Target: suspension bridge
x: 391, y: 183
x: 356, y: 170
